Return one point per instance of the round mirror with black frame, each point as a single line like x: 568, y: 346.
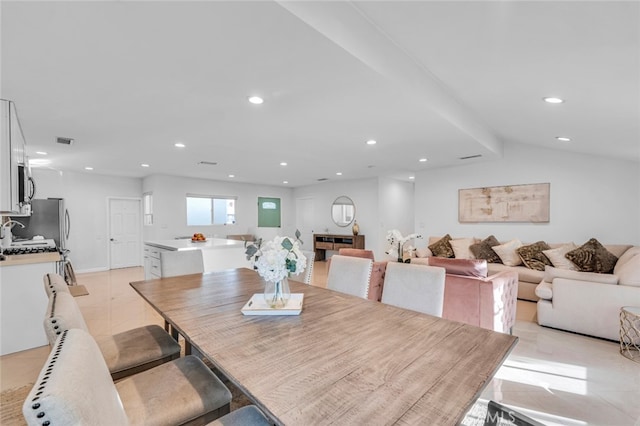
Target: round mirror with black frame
x: 343, y: 211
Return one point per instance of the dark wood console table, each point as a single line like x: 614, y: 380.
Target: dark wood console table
x: 324, y: 242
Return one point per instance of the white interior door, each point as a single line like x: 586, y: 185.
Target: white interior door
x: 304, y: 221
x: 125, y: 233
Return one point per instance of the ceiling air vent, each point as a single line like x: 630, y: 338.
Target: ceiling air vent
x: 469, y: 157
x: 322, y: 179
x: 64, y: 141
x: 207, y: 163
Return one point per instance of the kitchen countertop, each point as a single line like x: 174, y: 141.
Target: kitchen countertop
x: 187, y: 244
x: 26, y: 259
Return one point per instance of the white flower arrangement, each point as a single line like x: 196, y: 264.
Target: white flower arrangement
x: 277, y: 259
x: 396, y: 242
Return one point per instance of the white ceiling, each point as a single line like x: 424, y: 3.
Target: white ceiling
x: 441, y: 80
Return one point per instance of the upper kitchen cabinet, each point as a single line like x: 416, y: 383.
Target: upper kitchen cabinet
x: 16, y: 184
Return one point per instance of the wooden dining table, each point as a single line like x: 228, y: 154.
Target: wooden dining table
x: 342, y: 360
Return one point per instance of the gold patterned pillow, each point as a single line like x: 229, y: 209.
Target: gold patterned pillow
x: 593, y: 257
x: 533, y: 257
x: 442, y: 247
x: 483, y: 250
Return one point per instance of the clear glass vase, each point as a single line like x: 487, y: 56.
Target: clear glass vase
x: 277, y: 294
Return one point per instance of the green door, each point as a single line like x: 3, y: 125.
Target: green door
x: 268, y: 212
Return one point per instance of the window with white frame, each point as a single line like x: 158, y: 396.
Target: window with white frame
x: 147, y: 208
x: 205, y: 210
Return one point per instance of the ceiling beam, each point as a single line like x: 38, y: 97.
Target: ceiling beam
x: 348, y: 27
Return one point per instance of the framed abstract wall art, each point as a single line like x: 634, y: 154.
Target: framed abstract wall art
x: 511, y: 203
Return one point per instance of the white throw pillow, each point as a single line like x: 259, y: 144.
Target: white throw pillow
x: 557, y: 258
x: 629, y: 273
x: 423, y: 252
x: 460, y: 248
x: 507, y: 252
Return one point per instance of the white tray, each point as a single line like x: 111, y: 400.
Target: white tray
x: 257, y: 306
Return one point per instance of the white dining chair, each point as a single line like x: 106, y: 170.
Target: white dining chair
x: 125, y: 353
x: 307, y: 275
x: 416, y: 287
x: 185, y: 262
x: 74, y: 388
x: 350, y: 275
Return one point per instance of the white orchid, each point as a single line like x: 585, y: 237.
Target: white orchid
x: 396, y: 242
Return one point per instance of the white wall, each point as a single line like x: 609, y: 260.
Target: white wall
x: 396, y: 207
x: 381, y: 204
x: 86, y: 197
x: 590, y: 197
x: 170, y: 207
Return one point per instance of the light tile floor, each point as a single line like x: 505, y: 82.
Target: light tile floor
x: 555, y: 377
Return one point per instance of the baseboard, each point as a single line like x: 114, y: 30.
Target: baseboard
x: 84, y: 271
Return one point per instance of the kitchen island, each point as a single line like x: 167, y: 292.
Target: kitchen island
x: 217, y: 254
x: 23, y: 300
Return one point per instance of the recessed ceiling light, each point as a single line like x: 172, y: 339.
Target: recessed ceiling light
x: 41, y: 153
x: 144, y: 165
x: 412, y: 177
x: 232, y: 176
x: 563, y: 138
x: 423, y: 160
x: 88, y: 168
x: 339, y: 174
x: 371, y: 142
x: 553, y: 100
x: 256, y: 100
x: 283, y: 164
x: 179, y: 145
x: 285, y: 181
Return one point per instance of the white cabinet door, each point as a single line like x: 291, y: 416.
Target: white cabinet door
x: 23, y: 305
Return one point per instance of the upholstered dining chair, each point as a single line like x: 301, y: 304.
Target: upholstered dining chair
x: 376, y: 282
x: 74, y: 388
x: 349, y: 275
x: 307, y: 275
x: 54, y: 283
x: 415, y: 287
x: 174, y: 263
x: 125, y: 353
x: 249, y: 415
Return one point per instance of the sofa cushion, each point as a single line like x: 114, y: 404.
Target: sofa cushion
x: 508, y: 253
x: 550, y: 273
x: 557, y: 256
x: 442, y: 248
x: 533, y: 257
x: 629, y: 273
x: 625, y: 257
x: 524, y: 274
x: 465, y: 267
x: 461, y: 247
x: 544, y: 290
x: 617, y: 249
x: 593, y: 257
x: 483, y: 250
x: 423, y: 252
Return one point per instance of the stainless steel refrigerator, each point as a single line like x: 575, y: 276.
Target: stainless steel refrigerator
x: 49, y: 218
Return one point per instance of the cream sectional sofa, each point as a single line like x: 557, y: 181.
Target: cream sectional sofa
x: 582, y: 302
x: 589, y: 303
